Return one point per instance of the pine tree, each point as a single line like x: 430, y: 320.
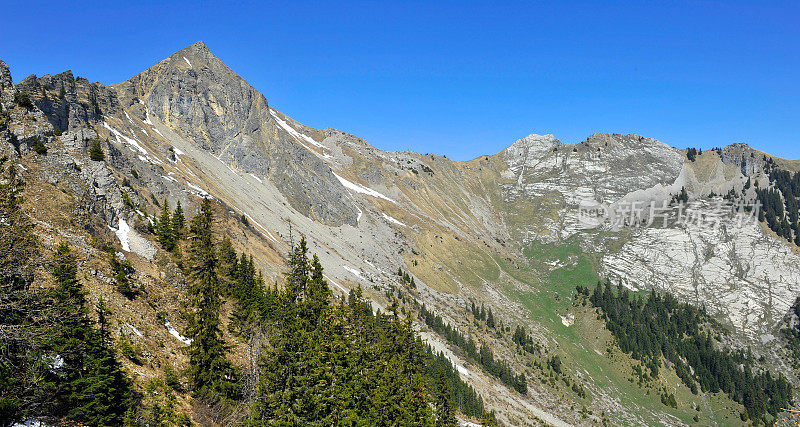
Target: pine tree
x: 22, y: 309
x: 211, y: 376
x: 105, y: 391
x: 490, y: 318
x: 96, y: 152
x: 443, y: 401
x: 178, y: 222
x: 90, y: 385
x: 318, y: 291
x: 70, y: 338
x: 120, y: 269
x: 164, y: 228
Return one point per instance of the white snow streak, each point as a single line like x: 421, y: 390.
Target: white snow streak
x: 176, y: 334
x: 353, y: 271
x: 122, y: 235
x: 394, y: 221
x: 187, y: 61
x: 135, y: 331
x: 202, y: 193
x: 361, y: 189
x: 290, y: 130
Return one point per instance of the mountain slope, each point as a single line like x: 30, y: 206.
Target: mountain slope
x: 500, y: 230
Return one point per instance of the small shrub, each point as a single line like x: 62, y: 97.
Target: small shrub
x: 126, y: 199
x: 96, y: 152
x: 173, y: 379
x: 38, y: 146
x: 23, y: 100
x: 129, y: 350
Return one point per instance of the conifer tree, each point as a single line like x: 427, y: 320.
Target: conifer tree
x: 211, y: 375
x: 178, y: 222
x: 91, y: 385
x: 443, y: 401
x: 164, y: 228
x: 96, y: 152
x: 318, y: 291
x: 20, y: 306
x: 69, y: 339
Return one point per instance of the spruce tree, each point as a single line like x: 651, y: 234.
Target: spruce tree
x: 164, y: 228
x: 22, y: 309
x: 178, y: 222
x: 212, y: 377
x: 105, y: 392
x: 96, y: 152
x: 443, y: 400
x: 71, y: 337
x: 90, y: 384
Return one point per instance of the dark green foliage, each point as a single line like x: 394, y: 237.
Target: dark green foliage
x: 121, y: 269
x: 490, y: 319
x: 691, y: 154
x: 23, y: 100
x: 682, y: 197
x: 779, y: 205
x: 555, y: 363
x: 96, y: 152
x: 792, y: 334
x: 661, y: 326
x: 21, y: 320
x: 669, y: 400
x: 126, y: 200
x: 164, y: 228
x: 169, y: 227
x: 178, y: 222
x: 444, y: 409
x: 463, y: 396
x: 522, y: 339
x: 57, y: 131
x: 53, y: 362
x: 483, y: 356
x: 37, y: 146
x: 212, y: 377
x: 340, y: 364
x: 89, y: 383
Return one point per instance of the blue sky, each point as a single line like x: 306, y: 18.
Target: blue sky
x: 459, y: 78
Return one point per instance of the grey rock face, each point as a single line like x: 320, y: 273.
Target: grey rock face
x: 6, y: 84
x: 70, y: 104
x: 198, y: 96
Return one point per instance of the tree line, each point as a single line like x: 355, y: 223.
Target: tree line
x: 483, y: 355
x: 780, y: 208
x: 660, y: 326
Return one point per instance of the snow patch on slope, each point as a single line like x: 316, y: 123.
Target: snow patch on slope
x: 176, y: 334
x: 290, y: 130
x: 361, y: 189
x: 122, y: 234
x: 353, y: 271
x: 393, y: 221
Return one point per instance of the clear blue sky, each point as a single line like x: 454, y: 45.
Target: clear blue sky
x: 460, y: 78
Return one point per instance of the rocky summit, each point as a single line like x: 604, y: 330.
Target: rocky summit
x: 489, y: 259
